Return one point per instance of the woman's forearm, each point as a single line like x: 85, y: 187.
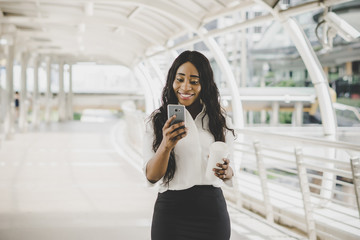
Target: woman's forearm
x: 157, y: 165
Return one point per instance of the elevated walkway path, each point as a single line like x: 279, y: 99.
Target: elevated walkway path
x: 75, y: 181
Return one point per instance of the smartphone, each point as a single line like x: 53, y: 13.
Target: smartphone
x: 178, y: 110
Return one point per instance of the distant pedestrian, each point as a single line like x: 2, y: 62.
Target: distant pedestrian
x: 17, y: 104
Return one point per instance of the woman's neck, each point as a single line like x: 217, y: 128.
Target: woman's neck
x: 195, y: 108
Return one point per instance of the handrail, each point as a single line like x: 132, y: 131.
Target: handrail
x: 340, y: 106
x: 277, y: 195
x: 301, y: 139
x: 324, y: 186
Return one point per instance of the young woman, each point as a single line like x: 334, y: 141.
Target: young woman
x: 189, y: 204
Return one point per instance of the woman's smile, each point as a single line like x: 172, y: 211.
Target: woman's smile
x: 185, y: 96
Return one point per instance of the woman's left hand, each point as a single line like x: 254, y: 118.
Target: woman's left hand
x: 224, y: 171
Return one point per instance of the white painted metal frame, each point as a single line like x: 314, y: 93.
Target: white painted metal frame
x: 48, y: 91
x: 149, y: 96
x: 23, y: 92
x: 9, y: 105
x: 316, y: 73
x: 355, y: 167
x: 61, y: 93
x: 35, y: 103
x: 226, y: 69
x: 275, y: 154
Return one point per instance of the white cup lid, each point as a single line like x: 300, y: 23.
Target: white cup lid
x: 218, y: 146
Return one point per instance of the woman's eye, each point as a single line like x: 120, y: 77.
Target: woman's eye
x: 194, y: 82
x: 180, y: 80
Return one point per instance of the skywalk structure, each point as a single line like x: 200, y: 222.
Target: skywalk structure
x: 303, y: 176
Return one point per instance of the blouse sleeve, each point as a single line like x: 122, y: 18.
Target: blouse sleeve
x: 148, y: 152
x: 229, y: 139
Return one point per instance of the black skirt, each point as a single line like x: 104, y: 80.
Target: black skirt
x: 197, y: 213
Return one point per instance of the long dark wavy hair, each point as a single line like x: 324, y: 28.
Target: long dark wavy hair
x: 209, y: 96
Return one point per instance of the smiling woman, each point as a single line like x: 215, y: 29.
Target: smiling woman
x: 190, y: 204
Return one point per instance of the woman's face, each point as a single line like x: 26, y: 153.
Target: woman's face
x: 187, y: 84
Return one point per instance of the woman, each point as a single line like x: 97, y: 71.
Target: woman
x: 189, y: 205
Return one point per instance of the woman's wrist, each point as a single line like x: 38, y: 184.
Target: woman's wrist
x: 165, y: 148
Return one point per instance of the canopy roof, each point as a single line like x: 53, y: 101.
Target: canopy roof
x: 109, y: 31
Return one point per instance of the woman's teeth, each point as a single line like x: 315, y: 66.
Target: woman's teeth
x: 185, y: 95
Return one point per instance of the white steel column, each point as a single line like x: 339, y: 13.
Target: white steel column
x: 153, y: 84
x: 275, y: 113
x: 149, y: 100
x: 24, y: 102
x: 243, y: 60
x: 316, y: 73
x: 320, y: 82
x: 48, y: 91
x: 36, y: 103
x: 158, y: 72
x: 61, y: 94
x: 70, y: 109
x: 229, y: 76
x: 251, y: 117
x: 298, y: 114
x: 9, y: 104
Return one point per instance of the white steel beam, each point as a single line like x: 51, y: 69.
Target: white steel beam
x: 48, y: 101
x: 154, y: 85
x: 227, y: 11
x: 24, y: 103
x: 157, y: 70
x: 229, y: 76
x: 244, y: 52
x: 61, y: 93
x: 316, y: 73
x: 9, y: 104
x: 149, y: 96
x: 70, y: 111
x: 147, y: 33
x: 36, y: 103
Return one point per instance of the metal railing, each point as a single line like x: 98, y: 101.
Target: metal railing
x: 302, y: 182
x: 343, y: 107
x: 305, y: 183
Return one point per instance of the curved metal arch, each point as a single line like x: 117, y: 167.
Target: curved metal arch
x: 140, y: 29
x: 230, y: 78
x: 169, y: 10
x: 313, y: 65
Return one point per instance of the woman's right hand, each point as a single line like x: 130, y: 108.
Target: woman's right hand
x: 172, y: 134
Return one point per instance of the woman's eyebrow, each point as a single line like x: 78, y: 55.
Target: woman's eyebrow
x: 182, y: 74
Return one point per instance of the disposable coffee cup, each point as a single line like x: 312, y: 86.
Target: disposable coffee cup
x: 218, y: 151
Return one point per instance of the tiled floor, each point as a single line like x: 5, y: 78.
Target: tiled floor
x: 68, y: 182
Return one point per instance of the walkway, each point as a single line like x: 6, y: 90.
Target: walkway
x: 68, y: 182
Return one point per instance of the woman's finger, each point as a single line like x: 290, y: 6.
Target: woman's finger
x: 226, y: 161
x: 177, y: 126
x: 178, y: 134
x: 223, y: 166
x: 167, y: 123
x: 221, y: 176
x: 220, y: 171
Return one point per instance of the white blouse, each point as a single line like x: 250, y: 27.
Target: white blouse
x: 191, y: 154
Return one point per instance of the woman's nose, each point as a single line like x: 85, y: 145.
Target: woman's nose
x: 186, y: 85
